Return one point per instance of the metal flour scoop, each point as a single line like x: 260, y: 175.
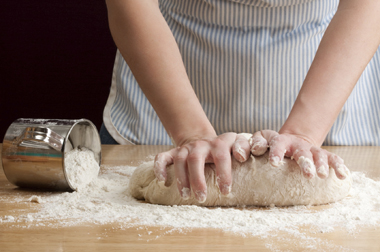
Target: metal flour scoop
x: 33, y: 153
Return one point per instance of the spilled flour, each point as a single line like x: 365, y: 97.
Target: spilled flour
x: 81, y: 167
x: 105, y: 200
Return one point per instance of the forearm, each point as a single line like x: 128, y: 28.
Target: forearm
x: 347, y: 46
x: 150, y: 50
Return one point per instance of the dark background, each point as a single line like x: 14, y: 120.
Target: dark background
x: 56, y: 60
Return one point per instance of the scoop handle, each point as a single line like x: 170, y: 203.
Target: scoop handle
x: 40, y: 138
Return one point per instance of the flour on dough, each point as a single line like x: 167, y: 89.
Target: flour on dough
x: 254, y: 183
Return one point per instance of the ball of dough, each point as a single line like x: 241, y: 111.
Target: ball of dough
x: 254, y: 183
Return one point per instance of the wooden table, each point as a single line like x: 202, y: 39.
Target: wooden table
x: 110, y: 238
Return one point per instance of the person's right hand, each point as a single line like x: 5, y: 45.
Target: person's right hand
x: 311, y: 159
x: 190, y: 158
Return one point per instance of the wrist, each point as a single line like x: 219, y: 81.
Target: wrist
x: 190, y: 134
x: 307, y: 133
x: 311, y: 117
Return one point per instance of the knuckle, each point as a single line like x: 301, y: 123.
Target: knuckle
x: 218, y: 143
x: 181, y: 154
x: 278, y: 139
x: 159, y: 157
x: 319, y: 153
x: 335, y: 159
x: 221, y: 156
x: 197, y: 144
x: 281, y: 137
x: 316, y: 150
x: 180, y: 157
x: 300, y: 153
x: 323, y: 156
x: 194, y: 157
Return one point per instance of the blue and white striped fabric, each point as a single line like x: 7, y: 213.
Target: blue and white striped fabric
x: 246, y: 61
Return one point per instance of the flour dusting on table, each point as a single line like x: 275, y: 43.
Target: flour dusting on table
x: 106, y: 200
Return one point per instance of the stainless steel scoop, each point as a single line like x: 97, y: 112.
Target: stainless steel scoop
x: 33, y: 153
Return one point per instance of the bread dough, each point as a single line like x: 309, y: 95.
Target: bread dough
x: 254, y: 183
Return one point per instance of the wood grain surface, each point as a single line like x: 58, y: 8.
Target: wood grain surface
x: 112, y: 237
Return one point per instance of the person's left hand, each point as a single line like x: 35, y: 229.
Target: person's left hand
x: 311, y: 159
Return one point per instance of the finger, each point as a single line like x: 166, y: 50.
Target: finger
x: 259, y: 144
x: 196, y: 164
x: 278, y: 146
x: 180, y: 171
x: 304, y: 159
x: 337, y: 164
x: 222, y: 161
x: 320, y: 161
x: 161, y: 161
x: 241, y: 148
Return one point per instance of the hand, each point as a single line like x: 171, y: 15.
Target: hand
x: 311, y: 159
x: 190, y: 158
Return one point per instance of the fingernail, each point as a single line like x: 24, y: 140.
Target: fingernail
x: 347, y: 170
x: 258, y: 145
x: 240, y: 154
x: 322, y: 172
x: 226, y: 189
x: 200, y: 196
x: 342, y: 171
x: 307, y: 167
x: 275, y: 161
x: 185, y: 193
x: 255, y: 146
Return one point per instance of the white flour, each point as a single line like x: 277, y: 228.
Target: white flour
x: 105, y: 200
x: 81, y: 167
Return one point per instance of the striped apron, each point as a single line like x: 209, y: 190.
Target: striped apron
x: 246, y: 61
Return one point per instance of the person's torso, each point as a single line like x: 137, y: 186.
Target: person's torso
x: 246, y: 61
